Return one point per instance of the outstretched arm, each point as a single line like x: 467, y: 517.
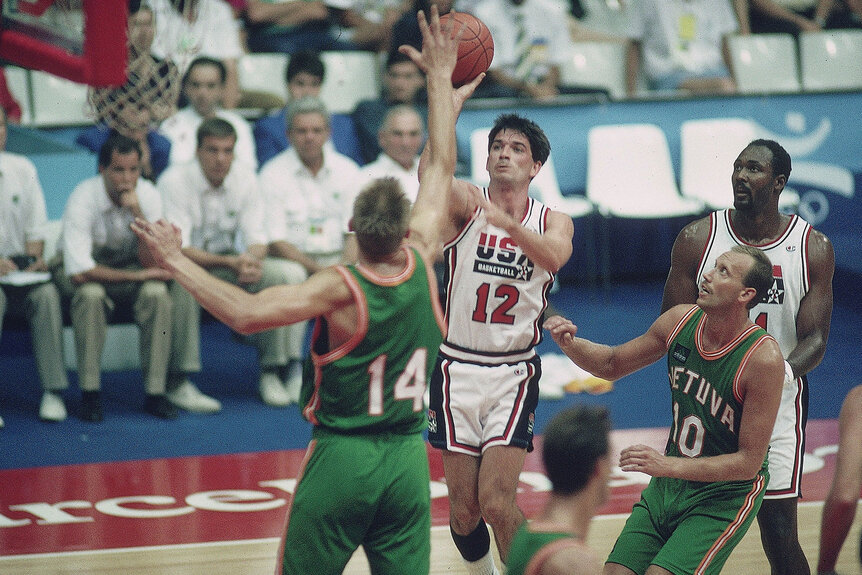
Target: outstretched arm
x: 437, y: 60
x: 243, y: 312
x: 615, y: 362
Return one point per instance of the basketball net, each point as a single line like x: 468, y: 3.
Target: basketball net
x: 153, y: 85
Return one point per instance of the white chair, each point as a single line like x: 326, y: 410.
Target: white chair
x: 831, y: 60
x: 765, y: 63
x: 630, y: 175
x: 545, y: 187
x: 18, y: 81
x: 59, y: 102
x: 708, y: 149
x: 601, y: 64
x: 262, y: 72
x: 122, y: 344
x: 350, y: 78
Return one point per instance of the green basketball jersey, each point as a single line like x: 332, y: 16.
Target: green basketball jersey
x: 376, y: 381
x: 526, y: 544
x: 707, y: 407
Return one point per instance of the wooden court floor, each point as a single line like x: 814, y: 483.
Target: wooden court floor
x: 258, y: 557
x: 225, y: 514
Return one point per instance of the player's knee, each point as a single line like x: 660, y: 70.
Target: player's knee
x: 496, y: 508
x: 464, y: 517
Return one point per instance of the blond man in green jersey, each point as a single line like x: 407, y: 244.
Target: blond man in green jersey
x: 365, y: 480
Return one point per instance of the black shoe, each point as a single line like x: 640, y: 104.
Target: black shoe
x: 91, y: 406
x: 159, y: 406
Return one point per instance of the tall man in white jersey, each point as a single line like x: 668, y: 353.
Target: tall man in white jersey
x: 797, y: 313
x: 502, y: 252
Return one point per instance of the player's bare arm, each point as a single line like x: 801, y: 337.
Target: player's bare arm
x: 681, y: 284
x: 815, y: 309
x: 614, y: 362
x: 437, y: 60
x: 760, y: 385
x: 243, y: 312
x: 550, y: 250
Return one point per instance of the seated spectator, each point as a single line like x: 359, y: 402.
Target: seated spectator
x: 133, y: 120
x: 304, y: 77
x: 403, y: 83
x: 217, y: 205
x: 793, y: 17
x: 199, y: 28
x: 291, y: 26
x: 22, y: 241
x: 203, y: 85
x: 368, y: 24
x: 681, y: 46
x: 531, y: 41
x: 103, y: 275
x: 400, y: 138
x: 309, y: 191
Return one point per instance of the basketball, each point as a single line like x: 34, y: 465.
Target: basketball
x: 476, y: 49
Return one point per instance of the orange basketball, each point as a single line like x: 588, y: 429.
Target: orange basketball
x: 476, y: 49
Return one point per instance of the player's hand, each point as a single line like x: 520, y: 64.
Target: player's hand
x: 562, y: 330
x: 163, y: 240
x: 644, y: 459
x: 494, y: 215
x: 7, y: 266
x: 439, y: 44
x: 249, y: 269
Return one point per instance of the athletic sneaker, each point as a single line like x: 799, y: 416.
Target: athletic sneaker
x: 272, y: 391
x: 187, y: 396
x: 52, y: 407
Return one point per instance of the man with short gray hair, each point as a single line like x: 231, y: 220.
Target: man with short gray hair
x: 400, y: 138
x: 308, y: 191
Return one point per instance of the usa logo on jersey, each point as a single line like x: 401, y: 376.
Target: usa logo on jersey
x: 775, y: 294
x: 502, y: 257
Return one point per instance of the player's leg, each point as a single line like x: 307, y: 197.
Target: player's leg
x: 499, y: 470
x: 778, y: 514
x: 328, y: 519
x: 399, y: 538
x: 840, y: 507
x: 639, y: 541
x: 705, y: 525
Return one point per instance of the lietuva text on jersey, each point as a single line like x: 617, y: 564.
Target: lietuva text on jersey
x: 683, y: 379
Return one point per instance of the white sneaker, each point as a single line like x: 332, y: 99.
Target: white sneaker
x: 52, y: 408
x: 272, y: 391
x: 293, y: 384
x: 187, y: 396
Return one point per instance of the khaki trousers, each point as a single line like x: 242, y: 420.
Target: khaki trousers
x: 93, y: 304
x: 40, y: 304
x: 271, y: 345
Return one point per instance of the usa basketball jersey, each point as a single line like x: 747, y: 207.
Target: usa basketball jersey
x: 495, y: 295
x: 776, y: 312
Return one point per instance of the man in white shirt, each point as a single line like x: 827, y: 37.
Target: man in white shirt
x: 22, y: 222
x: 203, y: 86
x: 199, y: 28
x: 216, y: 203
x: 308, y: 190
x: 680, y: 45
x: 400, y: 139
x: 105, y: 276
